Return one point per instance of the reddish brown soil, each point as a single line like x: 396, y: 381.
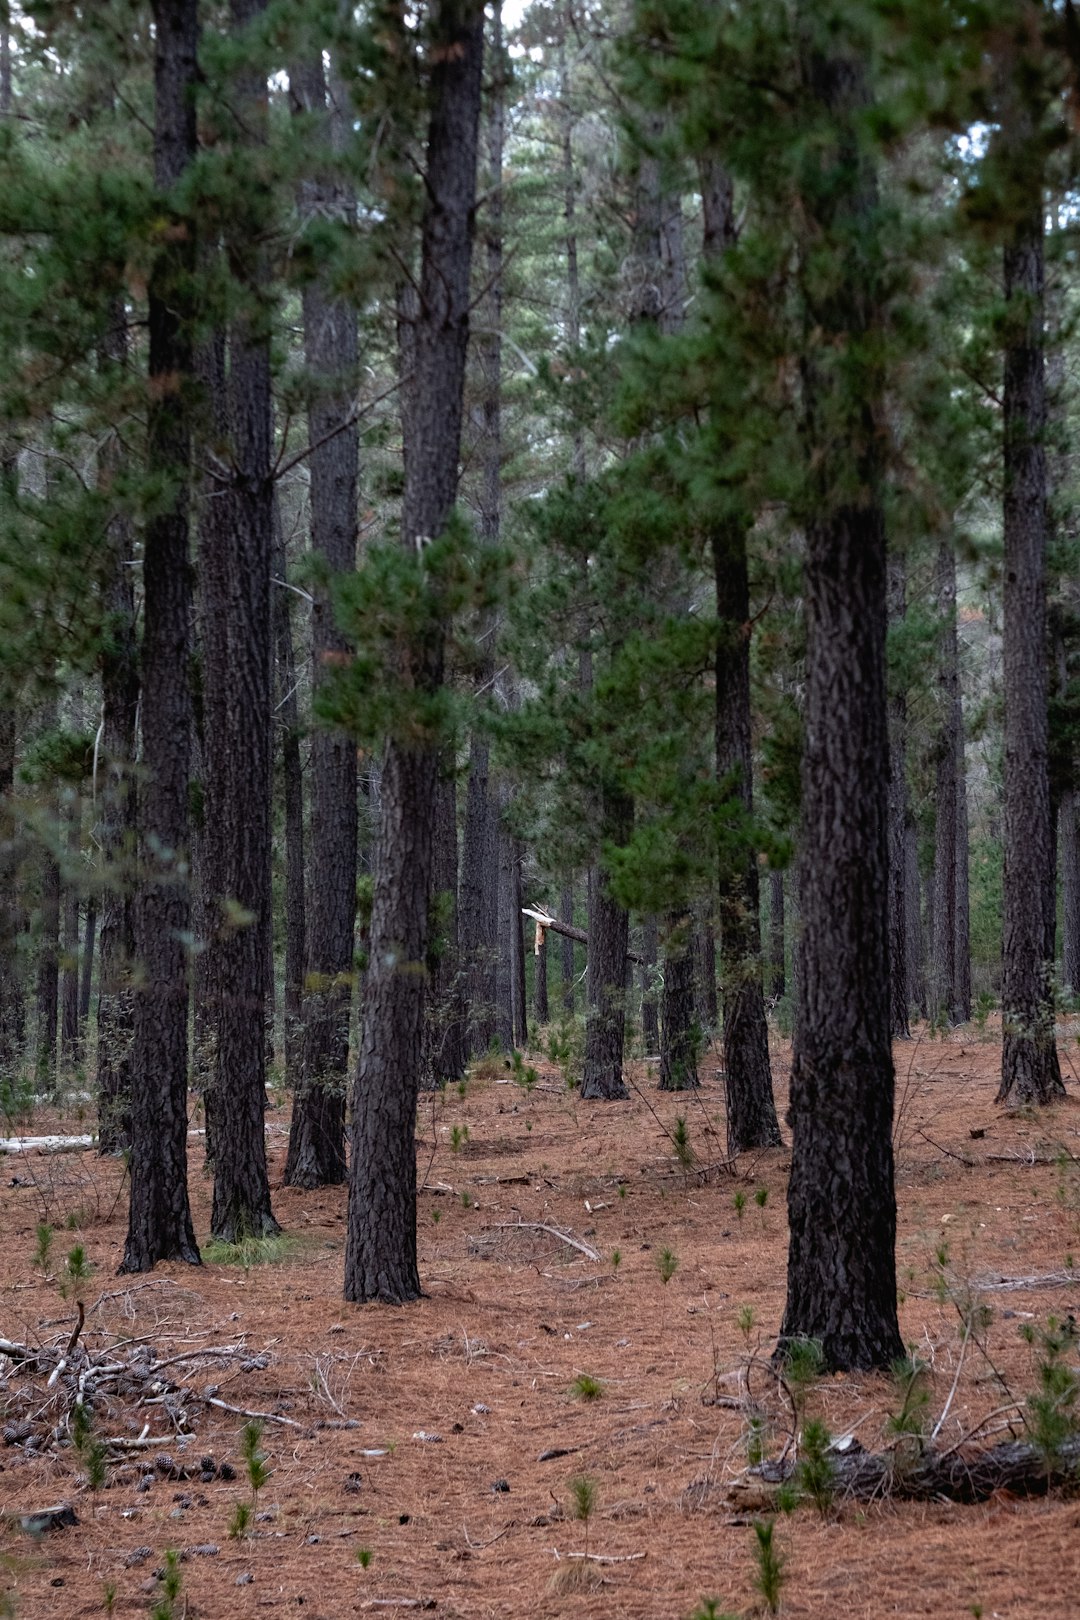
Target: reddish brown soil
x: 487, y: 1362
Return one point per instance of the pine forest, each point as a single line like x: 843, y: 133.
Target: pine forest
x: 540, y: 785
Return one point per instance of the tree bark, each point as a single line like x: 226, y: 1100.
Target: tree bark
x: 69, y: 973
x: 380, y: 1256
x: 566, y: 915
x: 238, y: 733
x: 777, y: 957
x: 541, y: 1010
x: 841, y: 1279
x: 159, y: 1221
x: 1029, y: 1060
x: 899, y: 969
x: 650, y: 1001
x: 680, y: 1027
x: 479, y: 897
x: 948, y: 788
x: 1069, y: 867
x: 609, y: 928
x: 287, y: 710
x: 12, y: 1007
x: 316, y: 1155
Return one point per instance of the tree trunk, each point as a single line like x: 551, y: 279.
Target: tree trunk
x: 380, y: 1256
x: 962, y: 949
x: 609, y: 927
x: 504, y: 964
x: 566, y: 915
x: 899, y: 969
x: 12, y: 1009
x: 913, y: 915
x: 159, y: 1223
x: 48, y: 975
x: 1029, y: 1058
x: 949, y: 780
x: 238, y: 733
x: 119, y: 704
x: 541, y: 1012
x: 650, y: 1001
x: 1069, y: 867
x: 777, y: 956
x: 86, y: 960
x: 480, y: 898
x: 69, y: 974
x: 517, y: 952
x: 446, y: 1054
x: 680, y: 1030
x: 287, y: 710
x: 316, y: 1154
x: 841, y: 1279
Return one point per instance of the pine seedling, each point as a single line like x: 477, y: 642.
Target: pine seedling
x: 171, y: 1581
x: 804, y: 1361
x: 816, y: 1474
x: 240, y: 1521
x: 616, y: 1259
x: 680, y: 1137
x: 255, y: 1460
x: 43, y: 1243
x: 707, y: 1610
x: 364, y: 1555
x: 459, y: 1135
x: 740, y: 1204
x: 466, y: 1199
x: 755, y: 1440
x: 583, y: 1495
x: 909, y: 1377
x: 108, y: 1597
x: 761, y: 1198
x: 769, y: 1575
x: 746, y: 1320
x: 587, y: 1388
x: 1052, y: 1408
x: 76, y: 1272
x: 667, y: 1264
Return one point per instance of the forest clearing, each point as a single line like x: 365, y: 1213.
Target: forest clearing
x: 489, y: 1367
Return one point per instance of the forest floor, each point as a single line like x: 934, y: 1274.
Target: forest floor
x: 457, y: 1399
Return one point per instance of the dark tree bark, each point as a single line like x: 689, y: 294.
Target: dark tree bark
x: 541, y: 1011
x: 69, y: 974
x: 446, y: 1015
x: 238, y: 730
x: 751, y: 1112
x: 480, y: 898
x: 1029, y: 1060
x: 287, y: 710
x: 159, y: 1222
x: 86, y: 959
x: 119, y: 702
x: 504, y: 963
x: 1069, y: 868
x: 316, y: 1154
x: 679, y: 1023
x: 12, y: 1006
x: 609, y: 930
x: 841, y: 1280
x: 777, y: 955
x: 380, y: 1256
x: 47, y: 985
x: 949, y: 927
x: 915, y: 957
x: 963, y: 899
x: 899, y: 971
x: 650, y: 1001
x: 566, y: 915
x: 517, y: 952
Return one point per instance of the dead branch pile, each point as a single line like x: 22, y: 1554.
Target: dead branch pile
x: 144, y: 1407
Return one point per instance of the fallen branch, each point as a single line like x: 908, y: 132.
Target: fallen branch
x: 963, y: 1475
x: 479, y: 1546
x: 552, y: 1231
x: 1047, y: 1279
x: 568, y: 930
x: 602, y: 1558
x: 254, y: 1417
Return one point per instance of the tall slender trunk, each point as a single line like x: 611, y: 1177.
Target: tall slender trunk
x: 541, y: 1009
x: 841, y: 1279
x: 479, y: 934
x: 777, y: 955
x: 69, y: 945
x: 609, y: 928
x: 517, y: 950
x: 899, y: 968
x: 949, y: 784
x: 316, y: 1154
x: 119, y: 703
x: 913, y: 913
x: 238, y: 733
x: 12, y: 1009
x: 1029, y: 1060
x: 86, y: 959
x: 682, y: 1031
x: 159, y: 1222
x: 566, y: 947
x: 380, y: 1255
x: 650, y: 1001
x: 287, y: 710
x: 507, y: 895
x: 47, y: 997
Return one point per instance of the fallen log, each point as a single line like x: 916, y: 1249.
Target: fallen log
x: 963, y: 1473
x: 567, y: 929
